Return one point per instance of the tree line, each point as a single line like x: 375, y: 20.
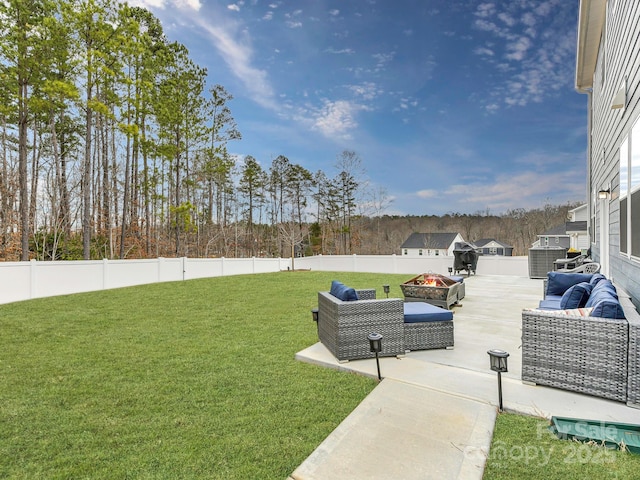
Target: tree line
x: 115, y: 146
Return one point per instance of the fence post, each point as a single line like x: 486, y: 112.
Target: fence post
x: 105, y: 274
x: 32, y: 278
x: 160, y: 264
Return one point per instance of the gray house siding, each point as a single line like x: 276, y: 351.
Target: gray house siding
x: 618, y: 57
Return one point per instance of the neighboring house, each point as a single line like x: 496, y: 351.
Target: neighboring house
x: 573, y: 234
x: 491, y: 246
x: 430, y: 244
x: 555, y: 237
x: 577, y: 228
x: 607, y: 72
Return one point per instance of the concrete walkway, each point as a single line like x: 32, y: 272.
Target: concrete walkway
x: 432, y: 416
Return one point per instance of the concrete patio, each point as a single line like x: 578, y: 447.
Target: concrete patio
x: 433, y: 414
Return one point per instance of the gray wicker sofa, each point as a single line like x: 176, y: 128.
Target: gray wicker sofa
x: 574, y: 350
x: 344, y: 325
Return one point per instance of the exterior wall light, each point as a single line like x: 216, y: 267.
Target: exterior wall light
x: 603, y: 194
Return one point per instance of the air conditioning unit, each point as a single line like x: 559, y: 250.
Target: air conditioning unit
x: 541, y: 260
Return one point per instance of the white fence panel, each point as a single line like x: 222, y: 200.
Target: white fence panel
x: 15, y: 281
x: 61, y: 278
x: 24, y: 280
x: 203, y: 267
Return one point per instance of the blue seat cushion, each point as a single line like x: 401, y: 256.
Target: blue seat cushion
x: 342, y: 292
x: 416, y: 312
x: 576, y: 296
x: 457, y: 278
x: 550, y: 304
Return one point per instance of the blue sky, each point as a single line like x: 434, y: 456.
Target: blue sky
x: 452, y: 105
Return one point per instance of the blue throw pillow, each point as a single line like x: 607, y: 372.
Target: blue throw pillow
x: 608, y: 309
x: 596, y: 278
x: 558, y: 283
x: 576, y: 296
x: 341, y: 291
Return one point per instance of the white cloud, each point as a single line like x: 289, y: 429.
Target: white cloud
x: 383, y: 59
x: 237, y: 53
x: 347, y: 51
x: 484, y: 51
x: 518, y: 49
x: 507, y: 19
x: 149, y: 4
x: 427, y: 193
x: 268, y: 16
x: 366, y: 90
x: 292, y: 24
x: 485, y: 10
x: 336, y: 119
x: 188, y: 4
x: 334, y: 12
x: 234, y: 7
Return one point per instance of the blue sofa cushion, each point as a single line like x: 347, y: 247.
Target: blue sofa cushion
x: 607, y: 286
x: 604, y: 290
x: 457, y: 278
x: 558, y: 283
x: 596, y: 278
x: 416, y: 312
x: 608, y: 309
x: 576, y: 296
x: 341, y: 291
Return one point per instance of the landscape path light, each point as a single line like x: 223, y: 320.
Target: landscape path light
x: 375, y: 344
x: 314, y: 316
x: 386, y: 289
x: 498, y: 363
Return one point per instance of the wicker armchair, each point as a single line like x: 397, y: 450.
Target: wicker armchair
x: 343, y: 327
x: 590, y: 267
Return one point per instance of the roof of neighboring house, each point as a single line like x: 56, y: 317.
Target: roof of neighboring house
x: 580, y: 226
x: 561, y: 230
x: 429, y: 240
x: 484, y: 241
x: 555, y: 231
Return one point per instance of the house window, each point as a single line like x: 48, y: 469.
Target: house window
x: 437, y: 252
x: 493, y: 251
x: 420, y: 252
x: 406, y: 252
x: 630, y: 193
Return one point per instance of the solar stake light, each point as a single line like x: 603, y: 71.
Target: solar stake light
x: 314, y: 315
x: 375, y: 344
x: 498, y: 363
x: 386, y: 289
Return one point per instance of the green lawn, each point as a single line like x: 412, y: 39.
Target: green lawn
x: 191, y: 379
x: 523, y: 448
x: 197, y: 379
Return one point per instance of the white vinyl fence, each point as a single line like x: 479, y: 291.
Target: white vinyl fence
x: 34, y: 279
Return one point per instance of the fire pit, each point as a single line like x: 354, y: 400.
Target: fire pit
x: 432, y: 288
